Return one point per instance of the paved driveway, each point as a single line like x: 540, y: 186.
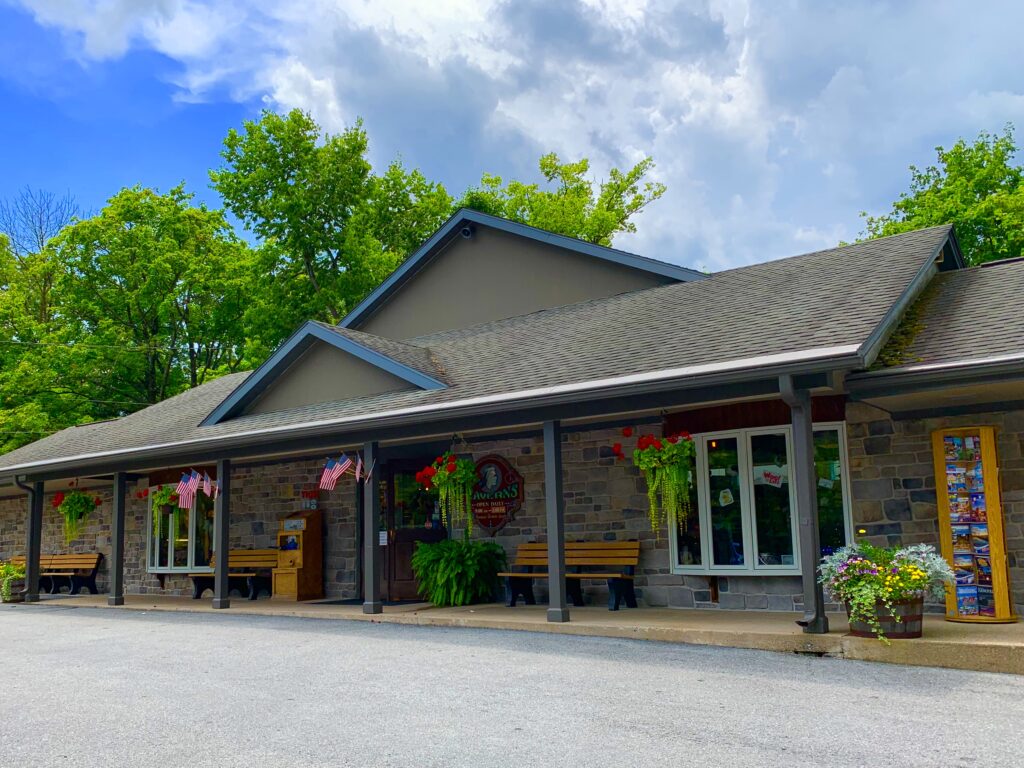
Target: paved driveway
x: 87, y: 687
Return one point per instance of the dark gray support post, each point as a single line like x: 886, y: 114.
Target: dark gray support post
x: 221, y: 534
x: 116, y: 596
x: 33, y: 543
x: 805, y: 476
x: 558, y: 605
x: 371, y: 530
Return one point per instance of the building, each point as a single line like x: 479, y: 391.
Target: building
x: 812, y: 385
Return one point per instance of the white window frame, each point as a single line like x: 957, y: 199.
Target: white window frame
x: 749, y: 518
x: 190, y: 567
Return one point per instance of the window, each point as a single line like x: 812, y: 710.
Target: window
x: 181, y: 539
x: 743, y: 512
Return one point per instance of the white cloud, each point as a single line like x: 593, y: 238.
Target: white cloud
x: 772, y: 123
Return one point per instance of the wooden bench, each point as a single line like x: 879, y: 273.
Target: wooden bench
x: 618, y: 559
x: 79, y: 570
x: 248, y: 570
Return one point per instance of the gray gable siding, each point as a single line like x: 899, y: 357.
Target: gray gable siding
x: 495, y: 275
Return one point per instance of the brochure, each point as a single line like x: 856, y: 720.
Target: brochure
x: 972, y: 448
x: 979, y: 539
x: 962, y: 538
x: 986, y: 601
x: 956, y: 478
x: 954, y: 447
x: 978, y: 511
x: 984, y: 570
x: 967, y: 601
x: 965, y: 576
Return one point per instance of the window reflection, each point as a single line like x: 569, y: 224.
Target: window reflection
x: 724, y: 495
x: 772, y: 513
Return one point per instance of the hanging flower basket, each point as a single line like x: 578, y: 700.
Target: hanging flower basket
x: 74, y: 507
x: 163, y: 500
x: 667, y: 465
x: 453, y: 479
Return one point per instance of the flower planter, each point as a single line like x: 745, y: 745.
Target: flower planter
x: 904, y: 623
x: 17, y: 592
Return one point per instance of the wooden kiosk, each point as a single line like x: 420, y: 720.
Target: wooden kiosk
x: 300, y: 557
x: 971, y: 525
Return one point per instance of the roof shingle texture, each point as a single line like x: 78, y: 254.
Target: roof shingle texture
x: 835, y: 297
x: 969, y: 314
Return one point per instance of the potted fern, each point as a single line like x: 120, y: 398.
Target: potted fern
x: 458, y: 571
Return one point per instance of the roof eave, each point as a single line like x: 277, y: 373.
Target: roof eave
x: 925, y: 376
x: 807, y: 362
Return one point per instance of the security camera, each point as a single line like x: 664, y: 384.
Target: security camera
x: 467, y: 231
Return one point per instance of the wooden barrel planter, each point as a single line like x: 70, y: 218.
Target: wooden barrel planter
x: 904, y: 623
x: 17, y: 592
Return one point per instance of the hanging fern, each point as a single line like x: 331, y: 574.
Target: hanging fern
x: 74, y: 507
x: 666, y: 464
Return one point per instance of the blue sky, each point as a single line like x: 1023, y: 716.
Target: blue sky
x: 773, y: 124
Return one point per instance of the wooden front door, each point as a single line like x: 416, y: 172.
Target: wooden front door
x: 411, y: 516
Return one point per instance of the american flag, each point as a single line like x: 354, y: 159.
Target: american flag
x: 182, y: 484
x: 345, y: 463
x: 327, y: 479
x: 207, y: 484
x: 359, y: 467
x: 215, y: 486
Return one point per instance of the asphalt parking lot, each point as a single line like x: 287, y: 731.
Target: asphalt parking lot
x: 93, y: 687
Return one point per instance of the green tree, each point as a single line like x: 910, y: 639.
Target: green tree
x: 147, y: 300
x: 571, y: 207
x: 974, y: 186
x: 333, y: 228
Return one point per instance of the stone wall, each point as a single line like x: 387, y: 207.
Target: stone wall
x: 893, y: 479
x: 261, y: 495
x: 893, y: 501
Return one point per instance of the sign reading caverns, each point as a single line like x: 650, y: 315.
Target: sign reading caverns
x: 498, y: 494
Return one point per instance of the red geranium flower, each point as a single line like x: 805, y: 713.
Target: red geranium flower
x: 686, y: 436
x: 451, y: 466
x: 673, y: 439
x: 58, y: 499
x: 439, y: 460
x: 627, y: 431
x: 145, y: 492
x: 617, y: 448
x: 657, y: 444
x: 97, y: 501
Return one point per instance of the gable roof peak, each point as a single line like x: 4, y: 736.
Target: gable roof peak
x: 462, y: 223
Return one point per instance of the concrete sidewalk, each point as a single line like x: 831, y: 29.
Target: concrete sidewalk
x: 979, y: 647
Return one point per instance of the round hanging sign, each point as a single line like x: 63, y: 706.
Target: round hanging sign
x: 498, y: 493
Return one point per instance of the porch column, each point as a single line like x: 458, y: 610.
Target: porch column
x: 805, y: 476
x: 33, y: 543
x: 558, y: 605
x: 221, y: 534
x: 371, y: 531
x: 116, y: 596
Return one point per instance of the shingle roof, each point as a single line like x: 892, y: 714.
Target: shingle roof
x: 419, y: 358
x: 836, y: 298
x: 969, y: 314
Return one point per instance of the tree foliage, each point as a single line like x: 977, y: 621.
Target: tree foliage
x: 977, y: 187
x: 335, y: 229
x: 571, y: 207
x: 147, y: 300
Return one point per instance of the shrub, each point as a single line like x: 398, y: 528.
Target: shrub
x: 458, y: 572
x: 9, y: 573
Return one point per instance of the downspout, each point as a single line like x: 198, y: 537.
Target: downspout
x: 31, y: 591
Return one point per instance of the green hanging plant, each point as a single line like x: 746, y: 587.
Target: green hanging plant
x: 74, y: 508
x: 10, y: 573
x: 667, y: 465
x: 453, y: 479
x: 164, y: 496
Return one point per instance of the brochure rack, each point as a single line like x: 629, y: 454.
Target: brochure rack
x: 971, y: 524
